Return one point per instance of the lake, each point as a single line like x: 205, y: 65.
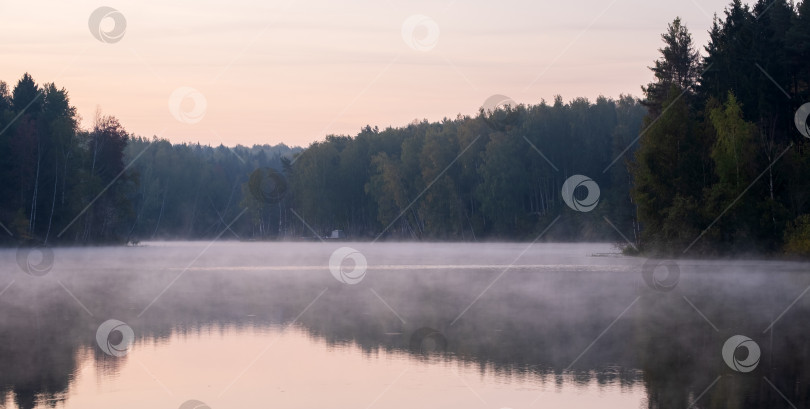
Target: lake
x: 398, y: 325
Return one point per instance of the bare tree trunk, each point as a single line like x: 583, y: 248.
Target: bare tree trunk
x: 471, y: 226
x: 160, y: 215
x: 53, y: 202
x: 33, y: 219
x: 280, y: 226
x: 64, y: 182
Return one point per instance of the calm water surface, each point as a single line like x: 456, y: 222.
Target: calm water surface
x: 255, y: 325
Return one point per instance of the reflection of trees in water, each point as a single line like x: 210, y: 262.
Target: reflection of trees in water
x: 680, y: 352
x: 43, y: 333
x: 528, y: 325
x: 667, y: 340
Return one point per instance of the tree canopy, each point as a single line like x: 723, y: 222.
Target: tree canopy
x: 718, y: 170
x: 709, y: 160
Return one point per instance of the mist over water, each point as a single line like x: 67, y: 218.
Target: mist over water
x: 427, y: 325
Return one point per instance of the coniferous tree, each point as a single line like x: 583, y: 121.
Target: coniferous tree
x: 667, y: 167
x: 676, y: 71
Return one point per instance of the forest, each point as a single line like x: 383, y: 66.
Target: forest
x: 707, y: 160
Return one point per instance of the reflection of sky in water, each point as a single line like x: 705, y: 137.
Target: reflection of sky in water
x: 567, y: 325
x: 299, y: 371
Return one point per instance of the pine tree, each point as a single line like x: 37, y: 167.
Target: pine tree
x: 677, y: 69
x: 667, y: 167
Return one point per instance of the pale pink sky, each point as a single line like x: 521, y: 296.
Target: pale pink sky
x: 295, y: 71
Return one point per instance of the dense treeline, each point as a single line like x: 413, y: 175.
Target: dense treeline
x: 721, y: 158
x: 51, y: 170
x: 709, y: 161
x: 496, y: 175
x: 62, y: 184
x: 196, y: 191
x: 719, y: 167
